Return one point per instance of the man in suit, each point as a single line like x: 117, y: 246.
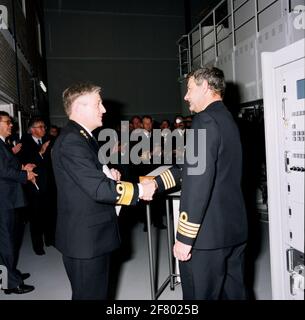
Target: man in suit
x: 151, y: 152
x: 212, y: 228
x: 87, y: 226
x: 35, y: 149
x: 12, y: 175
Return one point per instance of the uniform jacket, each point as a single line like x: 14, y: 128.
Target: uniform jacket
x: 86, y: 223
x: 212, y: 210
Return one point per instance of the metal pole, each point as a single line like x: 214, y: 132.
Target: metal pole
x: 189, y: 53
x: 256, y: 17
x: 215, y: 35
x: 233, y: 40
x: 150, y: 253
x: 20, y: 124
x: 170, y: 245
x: 233, y: 24
x: 200, y: 40
x: 180, y: 63
x: 257, y: 67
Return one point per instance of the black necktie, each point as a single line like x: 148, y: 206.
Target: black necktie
x: 8, y: 146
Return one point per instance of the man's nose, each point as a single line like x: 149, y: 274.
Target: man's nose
x: 103, y: 109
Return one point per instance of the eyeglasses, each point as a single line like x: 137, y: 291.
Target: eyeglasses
x: 7, y: 121
x: 39, y: 127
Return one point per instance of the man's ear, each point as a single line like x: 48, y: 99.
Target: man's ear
x: 205, y: 86
x: 75, y: 107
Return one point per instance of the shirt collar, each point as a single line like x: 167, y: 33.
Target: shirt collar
x: 36, y: 139
x: 2, y: 138
x: 89, y: 131
x: 147, y: 133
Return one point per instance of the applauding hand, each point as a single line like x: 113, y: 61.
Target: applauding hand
x: 17, y: 148
x: 29, y: 166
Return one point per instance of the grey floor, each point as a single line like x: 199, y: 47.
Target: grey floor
x: 51, y: 283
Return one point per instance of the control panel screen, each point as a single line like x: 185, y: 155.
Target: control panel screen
x: 301, y: 89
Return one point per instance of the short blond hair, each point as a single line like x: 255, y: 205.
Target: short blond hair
x: 75, y: 91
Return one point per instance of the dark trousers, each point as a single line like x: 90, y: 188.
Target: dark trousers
x: 88, y: 277
x: 41, y: 222
x: 214, y: 274
x: 19, y: 232
x: 8, y: 247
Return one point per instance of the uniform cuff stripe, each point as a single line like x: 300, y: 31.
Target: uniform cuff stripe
x: 188, y: 227
x: 165, y: 180
x: 191, y: 233
x: 169, y: 179
x: 172, y: 177
x: 126, y: 191
x: 186, y: 234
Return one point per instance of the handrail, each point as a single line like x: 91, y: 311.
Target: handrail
x: 244, y: 23
x: 189, y: 46
x: 268, y: 6
x: 240, y: 6
x: 205, y: 18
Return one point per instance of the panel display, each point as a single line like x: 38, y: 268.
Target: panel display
x: 301, y: 89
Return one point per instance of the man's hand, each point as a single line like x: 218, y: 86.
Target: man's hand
x: 28, y: 167
x: 149, y: 188
x: 115, y: 174
x: 44, y: 147
x: 115, y: 148
x: 182, y: 251
x: 31, y: 176
x: 16, y: 148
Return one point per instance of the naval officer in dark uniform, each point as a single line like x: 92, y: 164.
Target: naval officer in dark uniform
x: 87, y: 227
x: 212, y: 228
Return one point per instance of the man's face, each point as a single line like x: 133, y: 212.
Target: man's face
x: 136, y: 123
x: 38, y: 129
x: 195, y: 95
x: 164, y: 125
x: 179, y: 124
x: 53, y: 132
x: 5, y: 126
x: 147, y: 124
x: 91, y: 109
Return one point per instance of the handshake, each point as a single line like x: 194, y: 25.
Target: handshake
x: 149, y: 187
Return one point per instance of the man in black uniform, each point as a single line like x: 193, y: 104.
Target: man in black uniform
x: 212, y: 229
x: 87, y: 226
